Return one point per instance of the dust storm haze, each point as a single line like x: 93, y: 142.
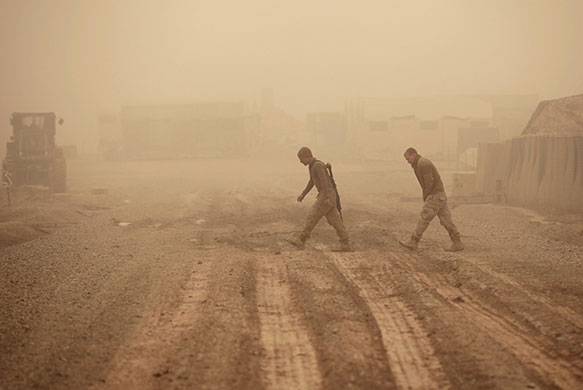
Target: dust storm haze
x: 166, y: 236
x: 80, y: 58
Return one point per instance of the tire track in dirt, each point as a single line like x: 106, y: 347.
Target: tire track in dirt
x: 222, y: 350
x: 135, y: 365
x: 532, y: 352
x: 411, y: 356
x: 343, y: 331
x: 289, y: 360
x: 563, y: 311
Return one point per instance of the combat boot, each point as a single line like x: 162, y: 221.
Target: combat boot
x: 297, y: 242
x: 344, y: 247
x: 412, y: 244
x: 456, y: 246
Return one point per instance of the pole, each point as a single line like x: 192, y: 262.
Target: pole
x: 7, y: 182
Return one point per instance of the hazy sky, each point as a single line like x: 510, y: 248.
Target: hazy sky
x: 81, y: 56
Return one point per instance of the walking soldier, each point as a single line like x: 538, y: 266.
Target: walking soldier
x: 435, y: 202
x: 326, y: 205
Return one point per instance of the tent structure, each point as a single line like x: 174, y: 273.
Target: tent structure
x: 543, y: 167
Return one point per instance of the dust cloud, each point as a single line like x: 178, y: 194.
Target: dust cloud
x: 164, y: 240
x: 81, y: 59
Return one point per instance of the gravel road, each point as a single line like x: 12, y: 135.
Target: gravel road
x: 178, y: 277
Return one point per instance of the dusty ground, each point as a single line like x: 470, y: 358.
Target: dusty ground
x: 199, y: 292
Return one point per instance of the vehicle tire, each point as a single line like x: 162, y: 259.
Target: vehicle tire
x: 11, y: 150
x: 4, y: 172
x: 58, y: 177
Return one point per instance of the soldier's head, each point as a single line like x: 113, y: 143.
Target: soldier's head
x: 410, y: 155
x: 305, y: 155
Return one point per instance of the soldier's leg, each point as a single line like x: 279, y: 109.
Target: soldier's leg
x: 317, y: 211
x: 446, y: 220
x: 333, y: 218
x: 428, y: 212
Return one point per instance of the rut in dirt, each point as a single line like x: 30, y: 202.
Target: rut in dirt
x: 411, y: 356
x: 288, y: 359
x: 532, y: 350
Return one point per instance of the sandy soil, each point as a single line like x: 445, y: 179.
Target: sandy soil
x: 178, y: 278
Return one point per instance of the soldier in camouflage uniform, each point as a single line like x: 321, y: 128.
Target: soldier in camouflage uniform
x: 325, y: 205
x: 435, y: 202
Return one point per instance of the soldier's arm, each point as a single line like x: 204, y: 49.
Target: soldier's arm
x: 308, y: 188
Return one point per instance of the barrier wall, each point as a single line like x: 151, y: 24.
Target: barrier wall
x: 489, y: 168
x: 535, y: 171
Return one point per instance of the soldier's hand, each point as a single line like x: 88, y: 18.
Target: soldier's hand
x: 300, y: 198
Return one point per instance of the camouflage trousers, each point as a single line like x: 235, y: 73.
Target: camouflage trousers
x: 321, y: 209
x: 436, y: 205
